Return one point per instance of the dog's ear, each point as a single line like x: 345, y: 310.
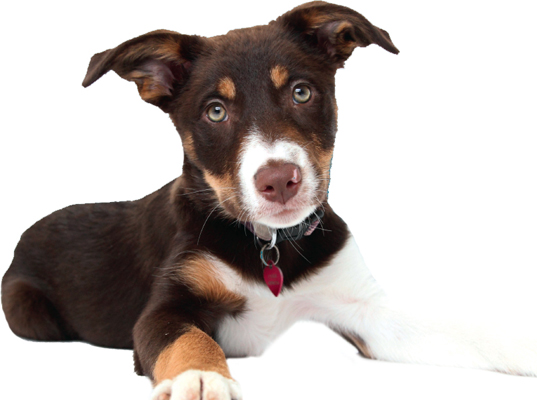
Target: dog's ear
x: 334, y: 30
x: 158, y: 62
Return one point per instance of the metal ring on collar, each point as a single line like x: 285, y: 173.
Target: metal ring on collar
x: 265, y: 246
x: 272, y: 240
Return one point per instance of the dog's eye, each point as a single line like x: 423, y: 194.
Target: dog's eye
x: 216, y: 112
x: 301, y: 94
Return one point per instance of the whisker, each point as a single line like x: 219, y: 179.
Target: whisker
x: 218, y: 205
x: 294, y: 240
x: 302, y: 255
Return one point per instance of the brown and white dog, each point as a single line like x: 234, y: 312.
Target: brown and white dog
x: 178, y: 275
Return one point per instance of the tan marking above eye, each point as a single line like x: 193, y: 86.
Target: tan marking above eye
x: 279, y: 76
x: 226, y: 87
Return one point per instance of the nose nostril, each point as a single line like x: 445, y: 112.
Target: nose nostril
x: 291, y: 184
x: 268, y: 189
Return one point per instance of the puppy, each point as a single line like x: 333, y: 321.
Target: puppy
x: 225, y: 258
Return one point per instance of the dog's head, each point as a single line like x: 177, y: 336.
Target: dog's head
x: 255, y: 108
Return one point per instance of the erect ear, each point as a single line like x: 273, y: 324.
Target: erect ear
x: 158, y: 62
x: 334, y: 30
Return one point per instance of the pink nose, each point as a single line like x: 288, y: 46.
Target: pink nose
x: 278, y: 183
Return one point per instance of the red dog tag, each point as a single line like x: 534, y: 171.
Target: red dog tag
x: 273, y: 278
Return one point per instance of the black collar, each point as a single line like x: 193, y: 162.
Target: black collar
x: 297, y: 232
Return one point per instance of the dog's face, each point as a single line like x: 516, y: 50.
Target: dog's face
x: 260, y: 122
x: 255, y: 108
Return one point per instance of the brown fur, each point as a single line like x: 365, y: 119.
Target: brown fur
x: 193, y: 350
x: 219, y: 184
x: 226, y: 88
x: 279, y: 76
x: 359, y: 343
x: 323, y: 161
x: 19, y: 296
x: 174, y: 189
x: 188, y: 146
x: 201, y: 275
x: 226, y: 192
x: 150, y: 89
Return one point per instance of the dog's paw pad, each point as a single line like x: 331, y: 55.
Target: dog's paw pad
x: 198, y: 385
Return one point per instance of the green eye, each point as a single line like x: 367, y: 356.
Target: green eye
x: 216, y: 112
x: 301, y: 94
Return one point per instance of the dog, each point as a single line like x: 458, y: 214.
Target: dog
x: 183, y: 269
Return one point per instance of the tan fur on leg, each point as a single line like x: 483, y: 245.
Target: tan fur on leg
x: 193, y: 350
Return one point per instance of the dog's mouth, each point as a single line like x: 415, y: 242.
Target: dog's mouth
x: 294, y: 212
x: 286, y: 217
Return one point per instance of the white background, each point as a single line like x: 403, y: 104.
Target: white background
x: 435, y: 171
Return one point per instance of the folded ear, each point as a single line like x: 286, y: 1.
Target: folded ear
x: 334, y: 30
x: 158, y: 62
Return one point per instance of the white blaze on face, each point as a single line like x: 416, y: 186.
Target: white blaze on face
x: 256, y: 153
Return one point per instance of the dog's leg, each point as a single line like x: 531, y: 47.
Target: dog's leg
x: 192, y: 366
x: 172, y: 338
x: 347, y: 298
x: 30, y: 314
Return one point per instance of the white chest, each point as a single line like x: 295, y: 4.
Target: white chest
x: 331, y: 297
x: 265, y: 318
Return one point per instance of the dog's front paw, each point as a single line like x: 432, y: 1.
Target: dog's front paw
x: 198, y: 385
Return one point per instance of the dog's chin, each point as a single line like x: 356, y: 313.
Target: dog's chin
x: 286, y: 218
